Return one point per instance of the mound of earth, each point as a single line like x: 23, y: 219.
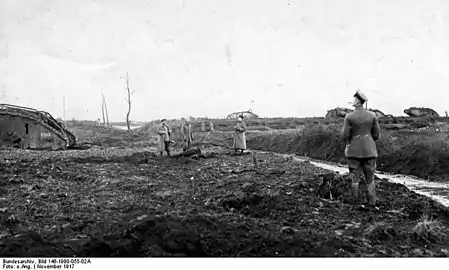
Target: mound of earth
x: 106, y: 202
x: 416, y: 154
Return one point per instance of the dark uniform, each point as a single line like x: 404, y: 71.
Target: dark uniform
x: 360, y: 131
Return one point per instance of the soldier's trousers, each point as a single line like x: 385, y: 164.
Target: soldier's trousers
x: 359, y: 167
x: 186, y: 145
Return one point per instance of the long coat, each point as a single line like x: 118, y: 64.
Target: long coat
x: 360, y: 131
x: 187, y: 133
x: 163, y: 136
x: 239, y: 136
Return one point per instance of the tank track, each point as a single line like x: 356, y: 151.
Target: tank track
x: 43, y: 118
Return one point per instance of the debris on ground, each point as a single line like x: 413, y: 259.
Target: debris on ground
x: 127, y: 201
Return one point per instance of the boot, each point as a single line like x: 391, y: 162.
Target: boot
x: 371, y: 187
x: 355, y: 192
x: 161, y: 153
x: 363, y: 192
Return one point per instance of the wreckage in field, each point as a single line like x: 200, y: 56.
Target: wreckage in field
x: 32, y: 129
x: 380, y: 114
x: 419, y: 112
x: 338, y: 112
x: 377, y: 112
x: 246, y: 114
x: 342, y: 112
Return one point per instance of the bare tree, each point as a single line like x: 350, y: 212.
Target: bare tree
x: 102, y: 114
x: 104, y: 110
x: 126, y: 80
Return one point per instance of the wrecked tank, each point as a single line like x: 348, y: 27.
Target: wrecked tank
x: 338, y: 112
x: 246, y: 114
x: 27, y: 128
x: 419, y: 112
x: 380, y: 114
x: 377, y: 112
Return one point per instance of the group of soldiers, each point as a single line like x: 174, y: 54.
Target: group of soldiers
x: 360, y: 132
x: 164, y: 132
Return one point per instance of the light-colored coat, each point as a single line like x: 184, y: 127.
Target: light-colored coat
x: 239, y: 136
x: 163, y: 136
x: 187, y: 134
x: 360, y: 131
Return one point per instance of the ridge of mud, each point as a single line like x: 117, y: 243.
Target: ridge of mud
x: 399, y: 154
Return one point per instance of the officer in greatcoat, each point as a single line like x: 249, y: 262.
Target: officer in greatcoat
x: 360, y: 132
x: 164, y: 133
x: 239, y: 135
x: 187, y: 134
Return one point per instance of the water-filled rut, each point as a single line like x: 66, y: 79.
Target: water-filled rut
x: 436, y: 191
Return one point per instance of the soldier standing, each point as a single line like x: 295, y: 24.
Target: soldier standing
x: 187, y: 134
x: 211, y: 125
x: 360, y: 132
x: 239, y: 135
x: 164, y: 133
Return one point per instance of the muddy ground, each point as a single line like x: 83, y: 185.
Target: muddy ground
x: 422, y: 154
x: 123, y: 200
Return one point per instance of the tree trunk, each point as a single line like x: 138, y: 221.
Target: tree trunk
x: 106, y: 111
x: 102, y: 109
x: 129, y: 102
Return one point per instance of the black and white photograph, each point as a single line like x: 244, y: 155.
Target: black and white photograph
x: 223, y: 129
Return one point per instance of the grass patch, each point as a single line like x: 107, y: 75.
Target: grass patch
x: 429, y: 230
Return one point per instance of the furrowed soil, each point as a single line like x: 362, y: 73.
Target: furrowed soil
x: 422, y: 154
x: 123, y: 200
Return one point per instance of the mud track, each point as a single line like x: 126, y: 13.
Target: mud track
x: 129, y: 202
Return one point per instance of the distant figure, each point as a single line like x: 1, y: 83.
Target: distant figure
x: 164, y: 133
x: 360, y: 131
x: 187, y: 134
x: 98, y: 122
x: 203, y: 127
x: 239, y: 136
x: 446, y: 113
x: 211, y: 125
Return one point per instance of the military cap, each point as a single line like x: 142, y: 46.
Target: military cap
x: 162, y: 120
x: 358, y: 94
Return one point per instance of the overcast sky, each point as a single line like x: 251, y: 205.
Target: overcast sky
x: 214, y: 57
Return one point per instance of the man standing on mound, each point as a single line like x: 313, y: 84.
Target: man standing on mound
x: 164, y: 137
x: 360, y: 131
x: 239, y: 136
